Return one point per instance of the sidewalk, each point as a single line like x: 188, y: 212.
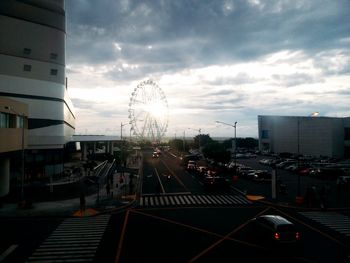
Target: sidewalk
x: 96, y: 203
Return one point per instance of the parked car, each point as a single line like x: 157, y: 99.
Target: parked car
x: 276, y: 231
x: 216, y: 183
x: 343, y: 181
x: 201, y: 170
x: 262, y: 176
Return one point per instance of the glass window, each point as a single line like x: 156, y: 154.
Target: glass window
x: 4, y: 120
x: 53, y: 72
x: 27, y: 51
x: 347, y: 133
x: 19, y: 121
x: 53, y: 55
x: 27, y: 68
x: 264, y: 134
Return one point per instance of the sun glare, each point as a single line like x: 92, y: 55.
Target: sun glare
x: 157, y: 110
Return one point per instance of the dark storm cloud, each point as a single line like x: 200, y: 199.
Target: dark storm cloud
x: 194, y: 33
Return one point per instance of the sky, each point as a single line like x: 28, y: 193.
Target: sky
x: 222, y: 60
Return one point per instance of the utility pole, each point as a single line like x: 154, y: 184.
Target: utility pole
x: 235, y: 141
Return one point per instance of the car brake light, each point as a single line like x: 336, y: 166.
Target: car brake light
x: 297, y: 235
x: 277, y: 236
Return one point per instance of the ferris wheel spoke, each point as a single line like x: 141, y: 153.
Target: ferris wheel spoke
x: 145, y: 117
x: 145, y: 124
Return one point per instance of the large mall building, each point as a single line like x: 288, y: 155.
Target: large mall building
x: 36, y: 114
x: 306, y: 135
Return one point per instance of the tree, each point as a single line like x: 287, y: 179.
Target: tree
x: 177, y: 144
x: 216, y: 151
x: 202, y: 140
x: 248, y: 143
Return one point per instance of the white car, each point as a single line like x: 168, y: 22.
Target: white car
x: 191, y: 165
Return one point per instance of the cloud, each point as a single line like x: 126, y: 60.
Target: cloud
x: 213, y: 59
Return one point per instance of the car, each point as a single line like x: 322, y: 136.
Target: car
x: 343, y: 181
x: 191, y: 165
x: 276, y: 231
x: 262, y: 176
x: 216, y: 183
x: 155, y: 155
x: 201, y: 170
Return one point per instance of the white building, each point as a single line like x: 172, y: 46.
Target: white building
x: 32, y: 71
x: 316, y: 136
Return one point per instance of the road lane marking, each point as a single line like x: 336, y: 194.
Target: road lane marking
x: 166, y: 200
x: 171, y: 200
x: 206, y: 199
x: 337, y: 222
x: 200, y: 229
x: 176, y: 177
x: 74, y: 240
x: 122, y: 235
x: 7, y: 252
x: 181, y: 200
x: 311, y: 227
x: 176, y: 200
x: 224, y: 238
x: 160, y: 182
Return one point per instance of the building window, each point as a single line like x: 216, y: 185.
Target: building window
x: 264, y: 134
x: 19, y: 121
x: 53, y: 55
x: 27, y: 51
x: 53, y: 72
x: 346, y: 133
x: 4, y: 120
x: 27, y: 67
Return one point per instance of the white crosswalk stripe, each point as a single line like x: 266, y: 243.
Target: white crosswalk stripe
x: 74, y: 240
x: 333, y: 220
x: 192, y: 200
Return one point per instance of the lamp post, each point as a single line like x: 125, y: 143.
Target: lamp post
x: 121, y: 138
x: 22, y: 177
x: 199, y: 138
x: 298, y: 151
x: 183, y: 142
x: 234, y: 126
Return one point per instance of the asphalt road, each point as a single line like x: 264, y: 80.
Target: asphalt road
x: 199, y: 227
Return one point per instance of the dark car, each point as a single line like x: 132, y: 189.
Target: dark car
x: 216, y: 183
x: 262, y: 176
x: 276, y: 231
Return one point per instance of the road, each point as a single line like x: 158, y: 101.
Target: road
x: 178, y: 222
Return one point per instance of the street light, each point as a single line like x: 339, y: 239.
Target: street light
x: 121, y: 130
x: 121, y: 138
x: 234, y: 126
x: 199, y: 138
x: 22, y: 179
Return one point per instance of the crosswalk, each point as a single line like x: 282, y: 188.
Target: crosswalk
x: 333, y: 220
x: 192, y: 200
x: 74, y: 240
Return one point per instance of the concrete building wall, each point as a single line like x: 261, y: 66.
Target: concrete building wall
x: 32, y: 71
x: 317, y: 136
x: 32, y: 68
x: 11, y: 137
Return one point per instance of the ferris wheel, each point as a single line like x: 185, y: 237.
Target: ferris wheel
x: 148, y: 111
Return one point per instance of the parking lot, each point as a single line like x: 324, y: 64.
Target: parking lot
x: 322, y: 188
